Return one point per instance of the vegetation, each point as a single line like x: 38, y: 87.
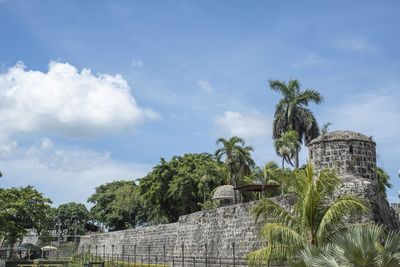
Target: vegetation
x: 72, y: 218
x: 177, y: 187
x: 360, y: 245
x: 117, y: 205
x: 383, y: 179
x: 237, y: 158
x: 292, y: 113
x: 21, y: 209
x: 313, y: 221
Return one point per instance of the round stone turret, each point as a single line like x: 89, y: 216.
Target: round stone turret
x: 351, y: 154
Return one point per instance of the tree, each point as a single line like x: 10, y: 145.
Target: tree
x: 292, y: 113
x: 21, y: 209
x: 313, y: 220
x: 360, y: 245
x: 117, y: 205
x: 237, y: 157
x: 72, y: 218
x: 176, y: 187
x: 286, y: 147
x: 383, y: 179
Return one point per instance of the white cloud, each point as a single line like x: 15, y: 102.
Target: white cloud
x: 63, y: 185
x: 358, y: 44
x: 7, y: 146
x: 66, y: 159
x: 137, y: 63
x: 249, y: 126
x: 374, y: 113
x: 205, y: 86
x: 67, y: 102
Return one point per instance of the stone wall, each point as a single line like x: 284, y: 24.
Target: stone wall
x: 349, y: 153
x: 218, y: 228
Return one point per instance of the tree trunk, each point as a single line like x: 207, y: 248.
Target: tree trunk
x: 296, y: 157
x: 283, y: 173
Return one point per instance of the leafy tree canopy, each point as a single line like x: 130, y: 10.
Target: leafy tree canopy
x: 116, y: 204
x: 72, y: 216
x: 179, y: 186
x: 21, y: 209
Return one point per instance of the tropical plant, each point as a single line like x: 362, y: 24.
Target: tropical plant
x: 383, y: 179
x: 313, y: 220
x: 292, y: 112
x: 22, y: 208
x: 72, y: 218
x: 237, y: 157
x: 177, y: 187
x: 117, y: 205
x: 363, y: 245
x: 325, y: 128
x: 287, y: 146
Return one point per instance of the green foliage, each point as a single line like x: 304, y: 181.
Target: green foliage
x: 117, y: 205
x: 312, y: 222
x: 286, y: 146
x: 360, y: 245
x: 292, y: 113
x: 383, y: 179
x: 237, y: 158
x: 177, y: 187
x: 72, y: 217
x: 20, y: 209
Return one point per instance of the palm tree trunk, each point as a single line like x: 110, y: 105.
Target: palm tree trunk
x: 283, y: 171
x: 296, y: 158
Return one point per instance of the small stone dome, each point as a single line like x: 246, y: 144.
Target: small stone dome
x: 341, y: 136
x: 224, y: 192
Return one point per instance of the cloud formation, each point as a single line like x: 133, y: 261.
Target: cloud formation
x: 205, y: 86
x: 67, y: 102
x: 249, y: 126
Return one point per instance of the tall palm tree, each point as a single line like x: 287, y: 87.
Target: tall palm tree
x: 286, y: 147
x: 312, y: 222
x: 237, y: 157
x: 292, y: 112
x: 360, y: 245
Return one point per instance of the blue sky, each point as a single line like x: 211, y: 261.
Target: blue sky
x: 93, y: 91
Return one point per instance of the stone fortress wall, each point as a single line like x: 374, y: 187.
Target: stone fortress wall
x: 351, y: 154
x: 218, y: 228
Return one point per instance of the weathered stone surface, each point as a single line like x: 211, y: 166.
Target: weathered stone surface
x: 218, y: 228
x: 352, y: 155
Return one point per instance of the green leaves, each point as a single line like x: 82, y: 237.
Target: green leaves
x: 315, y: 218
x: 179, y: 186
x: 359, y: 245
x: 72, y: 216
x: 237, y: 158
x: 117, y: 205
x: 20, y: 209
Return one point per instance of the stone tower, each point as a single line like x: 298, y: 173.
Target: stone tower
x: 353, y: 156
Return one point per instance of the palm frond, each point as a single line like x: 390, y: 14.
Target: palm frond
x: 335, y: 214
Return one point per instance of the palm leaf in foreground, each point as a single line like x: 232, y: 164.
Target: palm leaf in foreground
x: 313, y: 220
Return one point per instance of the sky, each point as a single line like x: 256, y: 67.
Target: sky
x: 96, y: 91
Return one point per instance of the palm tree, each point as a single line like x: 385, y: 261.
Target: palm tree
x: 312, y: 221
x: 237, y: 158
x: 286, y: 147
x: 361, y: 245
x: 292, y: 113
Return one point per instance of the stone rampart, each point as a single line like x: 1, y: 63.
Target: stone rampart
x: 217, y: 228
